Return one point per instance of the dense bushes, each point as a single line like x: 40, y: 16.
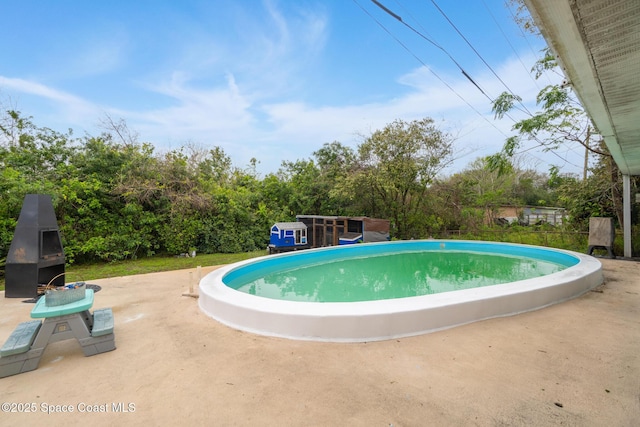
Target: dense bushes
x: 118, y: 199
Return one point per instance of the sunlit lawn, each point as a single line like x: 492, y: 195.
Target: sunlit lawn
x: 104, y: 270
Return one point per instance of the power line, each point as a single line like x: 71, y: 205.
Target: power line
x: 526, y: 39
x: 397, y: 17
x: 495, y: 21
x: 540, y: 144
x: 476, y: 52
x: 426, y: 66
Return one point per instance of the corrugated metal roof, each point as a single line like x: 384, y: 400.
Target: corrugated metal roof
x: 598, y: 45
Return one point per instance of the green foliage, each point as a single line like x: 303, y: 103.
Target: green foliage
x: 394, y: 169
x: 116, y: 199
x: 546, y: 63
x: 562, y: 121
x: 559, y: 120
x: 504, y: 103
x: 543, y: 235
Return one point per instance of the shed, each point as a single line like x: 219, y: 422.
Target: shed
x: 341, y: 230
x: 288, y: 236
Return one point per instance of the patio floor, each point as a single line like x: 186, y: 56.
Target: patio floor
x: 575, y: 363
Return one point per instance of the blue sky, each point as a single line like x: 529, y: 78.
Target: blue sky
x: 273, y: 79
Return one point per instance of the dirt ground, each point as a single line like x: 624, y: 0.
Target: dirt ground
x: 572, y: 364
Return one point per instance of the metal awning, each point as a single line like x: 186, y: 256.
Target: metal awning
x: 598, y: 45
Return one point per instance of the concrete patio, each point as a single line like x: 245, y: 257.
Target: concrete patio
x: 575, y: 363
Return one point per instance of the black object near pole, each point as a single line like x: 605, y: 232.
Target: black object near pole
x: 36, y: 255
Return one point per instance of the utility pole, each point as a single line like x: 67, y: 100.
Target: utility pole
x: 586, y: 153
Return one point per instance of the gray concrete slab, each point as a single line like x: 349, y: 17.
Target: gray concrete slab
x: 576, y: 363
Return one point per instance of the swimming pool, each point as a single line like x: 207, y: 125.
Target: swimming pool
x: 391, y: 317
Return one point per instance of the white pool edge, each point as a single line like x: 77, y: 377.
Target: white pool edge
x: 393, y: 318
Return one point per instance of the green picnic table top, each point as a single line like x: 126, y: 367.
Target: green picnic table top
x: 41, y: 310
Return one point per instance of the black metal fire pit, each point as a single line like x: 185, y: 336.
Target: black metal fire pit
x: 36, y: 255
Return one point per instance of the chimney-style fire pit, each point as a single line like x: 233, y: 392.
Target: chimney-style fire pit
x: 35, y: 255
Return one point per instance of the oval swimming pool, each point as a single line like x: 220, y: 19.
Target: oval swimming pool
x: 386, y: 290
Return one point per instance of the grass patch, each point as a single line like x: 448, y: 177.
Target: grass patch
x: 155, y: 264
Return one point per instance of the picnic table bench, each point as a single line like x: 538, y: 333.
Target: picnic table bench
x: 26, y: 344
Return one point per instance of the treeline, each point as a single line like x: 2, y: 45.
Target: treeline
x: 116, y: 198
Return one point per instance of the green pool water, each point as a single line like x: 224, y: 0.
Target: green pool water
x: 399, y: 275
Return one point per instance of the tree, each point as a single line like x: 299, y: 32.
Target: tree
x: 306, y: 192
x: 335, y: 159
x: 560, y: 120
x: 395, y: 167
x: 336, y: 162
x: 471, y: 198
x: 32, y: 160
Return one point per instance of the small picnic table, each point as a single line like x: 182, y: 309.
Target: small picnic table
x: 24, y: 348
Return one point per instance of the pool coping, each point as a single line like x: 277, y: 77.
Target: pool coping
x: 392, y: 318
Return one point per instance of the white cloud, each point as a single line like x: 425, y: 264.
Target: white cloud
x: 208, y: 114
x: 72, y: 108
x: 248, y: 102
